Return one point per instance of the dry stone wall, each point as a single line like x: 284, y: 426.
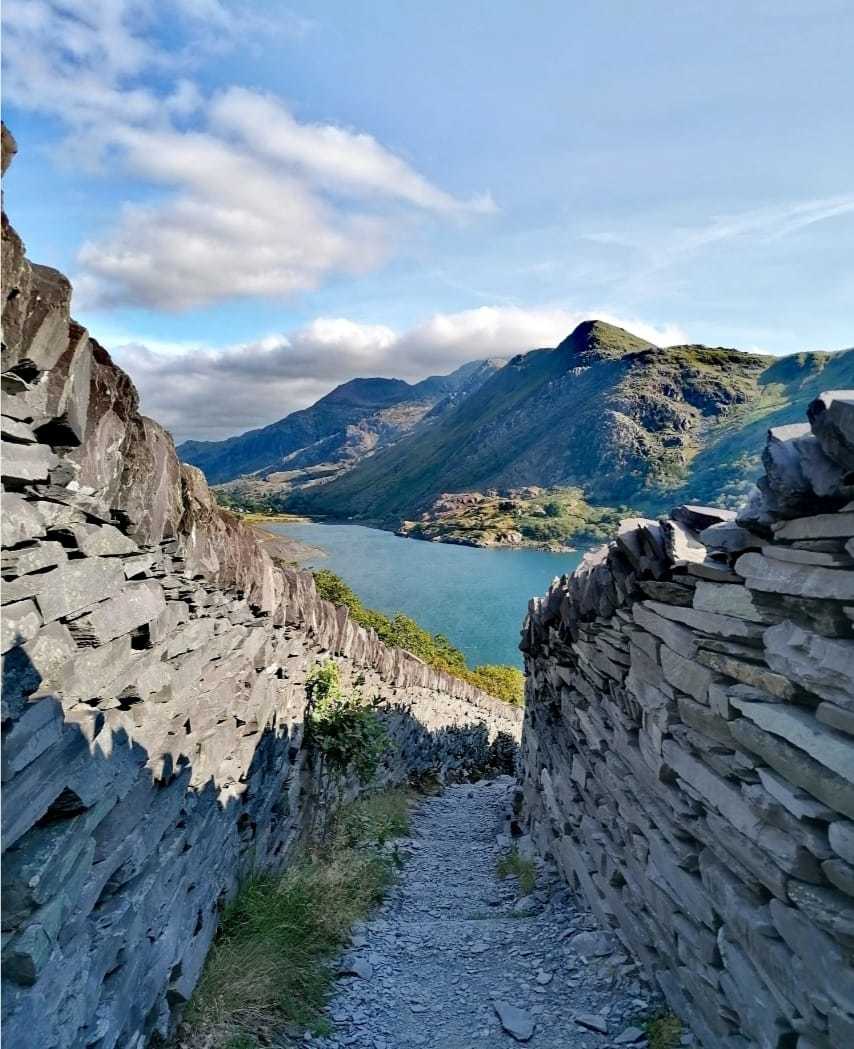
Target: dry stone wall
x: 154, y: 661
x: 689, y: 745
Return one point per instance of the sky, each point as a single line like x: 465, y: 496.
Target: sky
x: 256, y: 201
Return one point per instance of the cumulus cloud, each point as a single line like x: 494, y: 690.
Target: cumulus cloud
x: 204, y: 393
x: 250, y: 201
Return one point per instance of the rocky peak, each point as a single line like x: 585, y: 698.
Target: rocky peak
x: 595, y: 340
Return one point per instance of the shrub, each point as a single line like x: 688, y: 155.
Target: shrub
x: 343, y: 728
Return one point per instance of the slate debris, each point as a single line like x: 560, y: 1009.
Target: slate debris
x: 449, y: 970
x: 689, y: 761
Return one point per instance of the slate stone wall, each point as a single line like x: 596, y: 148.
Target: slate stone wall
x: 154, y: 661
x: 688, y: 746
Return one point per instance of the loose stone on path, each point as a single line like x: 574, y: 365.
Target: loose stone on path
x: 454, y: 964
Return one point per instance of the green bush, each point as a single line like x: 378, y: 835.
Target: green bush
x: 342, y: 727
x: 503, y: 682
x: 401, y: 631
x: 545, y: 531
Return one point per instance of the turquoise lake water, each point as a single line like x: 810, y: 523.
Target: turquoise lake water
x: 476, y: 598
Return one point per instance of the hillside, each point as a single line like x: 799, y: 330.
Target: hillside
x: 352, y: 421
x: 606, y: 412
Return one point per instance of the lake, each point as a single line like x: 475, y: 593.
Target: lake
x: 476, y: 598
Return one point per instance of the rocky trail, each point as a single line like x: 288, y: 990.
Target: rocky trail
x: 454, y: 959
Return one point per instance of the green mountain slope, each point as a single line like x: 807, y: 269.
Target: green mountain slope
x: 623, y: 420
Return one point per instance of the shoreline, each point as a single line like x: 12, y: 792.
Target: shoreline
x: 282, y: 547
x: 296, y: 550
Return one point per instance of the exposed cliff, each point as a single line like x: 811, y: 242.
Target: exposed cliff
x: 688, y: 746
x: 154, y: 667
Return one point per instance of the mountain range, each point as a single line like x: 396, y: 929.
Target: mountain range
x: 353, y: 421
x: 606, y: 414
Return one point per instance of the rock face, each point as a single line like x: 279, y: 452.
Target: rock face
x: 688, y: 747
x: 153, y: 693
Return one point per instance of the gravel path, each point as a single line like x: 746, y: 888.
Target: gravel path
x: 453, y: 945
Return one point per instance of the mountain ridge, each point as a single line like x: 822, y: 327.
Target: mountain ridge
x: 345, y: 424
x: 605, y: 415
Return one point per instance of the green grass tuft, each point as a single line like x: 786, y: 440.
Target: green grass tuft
x: 270, y: 967
x: 522, y: 869
x: 663, y: 1031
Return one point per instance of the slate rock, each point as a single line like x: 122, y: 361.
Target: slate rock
x: 630, y: 1036
x: 518, y: 1023
x: 27, y: 462
x: 831, y: 416
x: 797, y: 726
x: 780, y: 577
x: 592, y: 1021
x: 822, y: 665
x: 15, y: 430
x: 102, y: 540
x: 21, y: 521
x: 356, y: 966
x: 818, y: 526
x: 134, y: 605
x: 699, y: 517
x: 77, y: 584
x: 728, y: 536
x: 680, y: 543
x: 20, y: 622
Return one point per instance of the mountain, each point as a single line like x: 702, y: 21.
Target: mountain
x: 352, y: 421
x: 606, y: 412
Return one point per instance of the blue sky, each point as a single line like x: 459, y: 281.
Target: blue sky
x: 256, y: 202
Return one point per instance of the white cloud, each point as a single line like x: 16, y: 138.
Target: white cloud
x: 204, y: 393
x: 336, y: 157
x: 250, y: 201
x: 233, y: 228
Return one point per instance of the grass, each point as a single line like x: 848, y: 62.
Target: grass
x: 270, y: 967
x: 663, y: 1031
x: 522, y: 869
x: 400, y: 631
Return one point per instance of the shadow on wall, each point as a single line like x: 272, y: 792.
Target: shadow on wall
x: 114, y: 877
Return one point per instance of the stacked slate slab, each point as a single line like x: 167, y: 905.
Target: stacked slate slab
x: 688, y: 746
x: 154, y: 666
